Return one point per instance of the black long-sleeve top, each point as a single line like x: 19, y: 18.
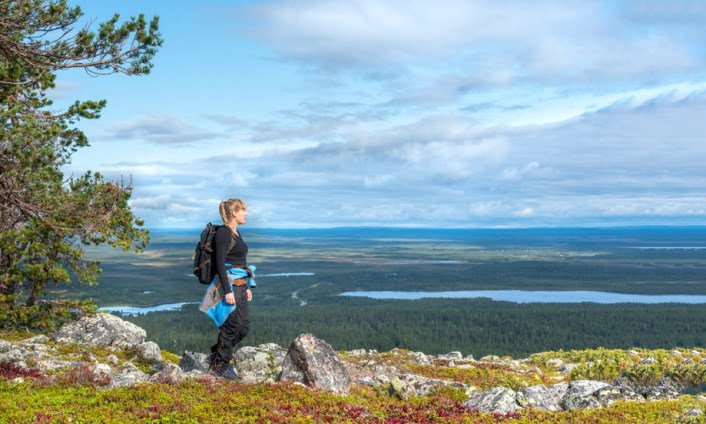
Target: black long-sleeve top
x: 237, y: 255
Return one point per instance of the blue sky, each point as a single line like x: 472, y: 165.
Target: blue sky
x: 410, y: 113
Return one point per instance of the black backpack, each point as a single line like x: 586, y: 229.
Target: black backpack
x: 203, y: 254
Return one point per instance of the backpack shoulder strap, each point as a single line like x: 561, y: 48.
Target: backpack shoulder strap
x: 233, y: 239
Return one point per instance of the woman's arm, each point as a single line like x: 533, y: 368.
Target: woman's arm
x: 221, y: 241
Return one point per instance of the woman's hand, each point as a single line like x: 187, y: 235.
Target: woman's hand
x: 249, y: 293
x: 230, y: 298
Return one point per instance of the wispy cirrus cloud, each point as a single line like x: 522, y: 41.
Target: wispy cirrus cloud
x: 487, y: 43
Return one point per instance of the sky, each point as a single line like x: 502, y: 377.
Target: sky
x: 325, y: 113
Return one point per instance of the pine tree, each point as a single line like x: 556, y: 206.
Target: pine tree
x: 47, y: 218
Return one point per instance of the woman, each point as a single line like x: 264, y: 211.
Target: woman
x: 231, y: 251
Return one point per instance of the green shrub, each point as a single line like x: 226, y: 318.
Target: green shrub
x: 45, y: 316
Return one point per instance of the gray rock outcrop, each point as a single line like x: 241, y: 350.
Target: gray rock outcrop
x: 129, y: 375
x: 580, y: 394
x: 451, y: 356
x: 150, y: 351
x: 498, y: 399
x: 194, y: 361
x: 543, y: 397
x: 608, y: 395
x: 102, y: 330
x: 408, y: 385
x: 259, y: 364
x: 312, y: 361
x: 170, y: 374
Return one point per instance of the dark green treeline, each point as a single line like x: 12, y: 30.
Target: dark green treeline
x: 479, y: 327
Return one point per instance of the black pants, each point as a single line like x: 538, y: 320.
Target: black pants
x: 232, y: 331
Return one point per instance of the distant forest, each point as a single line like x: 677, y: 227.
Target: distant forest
x: 633, y: 260
x: 479, y: 327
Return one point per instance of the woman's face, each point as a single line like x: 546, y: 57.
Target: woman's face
x: 240, y: 216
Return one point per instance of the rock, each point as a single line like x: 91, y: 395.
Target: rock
x: 580, y: 394
x: 113, y: 359
x: 567, y: 368
x: 40, y: 339
x: 420, y: 358
x: 468, y: 357
x: 358, y: 352
x: 408, y: 385
x: 259, y: 364
x: 171, y: 374
x: 150, y: 351
x: 542, y: 397
x: 363, y: 372
x: 5, y: 346
x: 451, y: 356
x: 17, y: 380
x: 102, y: 330
x: 490, y: 358
x: 128, y: 376
x: 11, y: 353
x: 648, y: 361
x: 102, y: 370
x: 694, y: 412
x: 532, y: 370
x: 661, y: 393
x: 194, y: 361
x: 313, y: 362
x: 554, y: 363
x: 498, y: 399
x: 607, y: 396
x: 582, y: 402
x: 25, y: 353
x: 47, y: 365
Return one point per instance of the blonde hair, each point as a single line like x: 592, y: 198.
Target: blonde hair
x: 229, y: 206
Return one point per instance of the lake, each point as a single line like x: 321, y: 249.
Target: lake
x: 525, y: 296
x: 137, y: 310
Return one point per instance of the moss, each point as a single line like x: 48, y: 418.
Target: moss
x: 171, y: 357
x: 482, y: 375
x: 15, y: 335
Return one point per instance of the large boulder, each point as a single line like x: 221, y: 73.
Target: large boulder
x: 129, y: 375
x: 543, y: 397
x: 102, y: 330
x: 608, y: 395
x: 150, y: 351
x: 581, y: 394
x: 259, y: 364
x: 170, y: 374
x: 312, y: 361
x: 498, y: 399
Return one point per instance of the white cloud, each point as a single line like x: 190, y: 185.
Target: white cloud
x: 626, y: 163
x: 159, y: 130
x: 495, y: 42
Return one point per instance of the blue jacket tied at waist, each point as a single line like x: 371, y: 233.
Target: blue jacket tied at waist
x: 214, y: 304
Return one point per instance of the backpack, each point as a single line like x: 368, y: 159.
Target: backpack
x: 203, y: 254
